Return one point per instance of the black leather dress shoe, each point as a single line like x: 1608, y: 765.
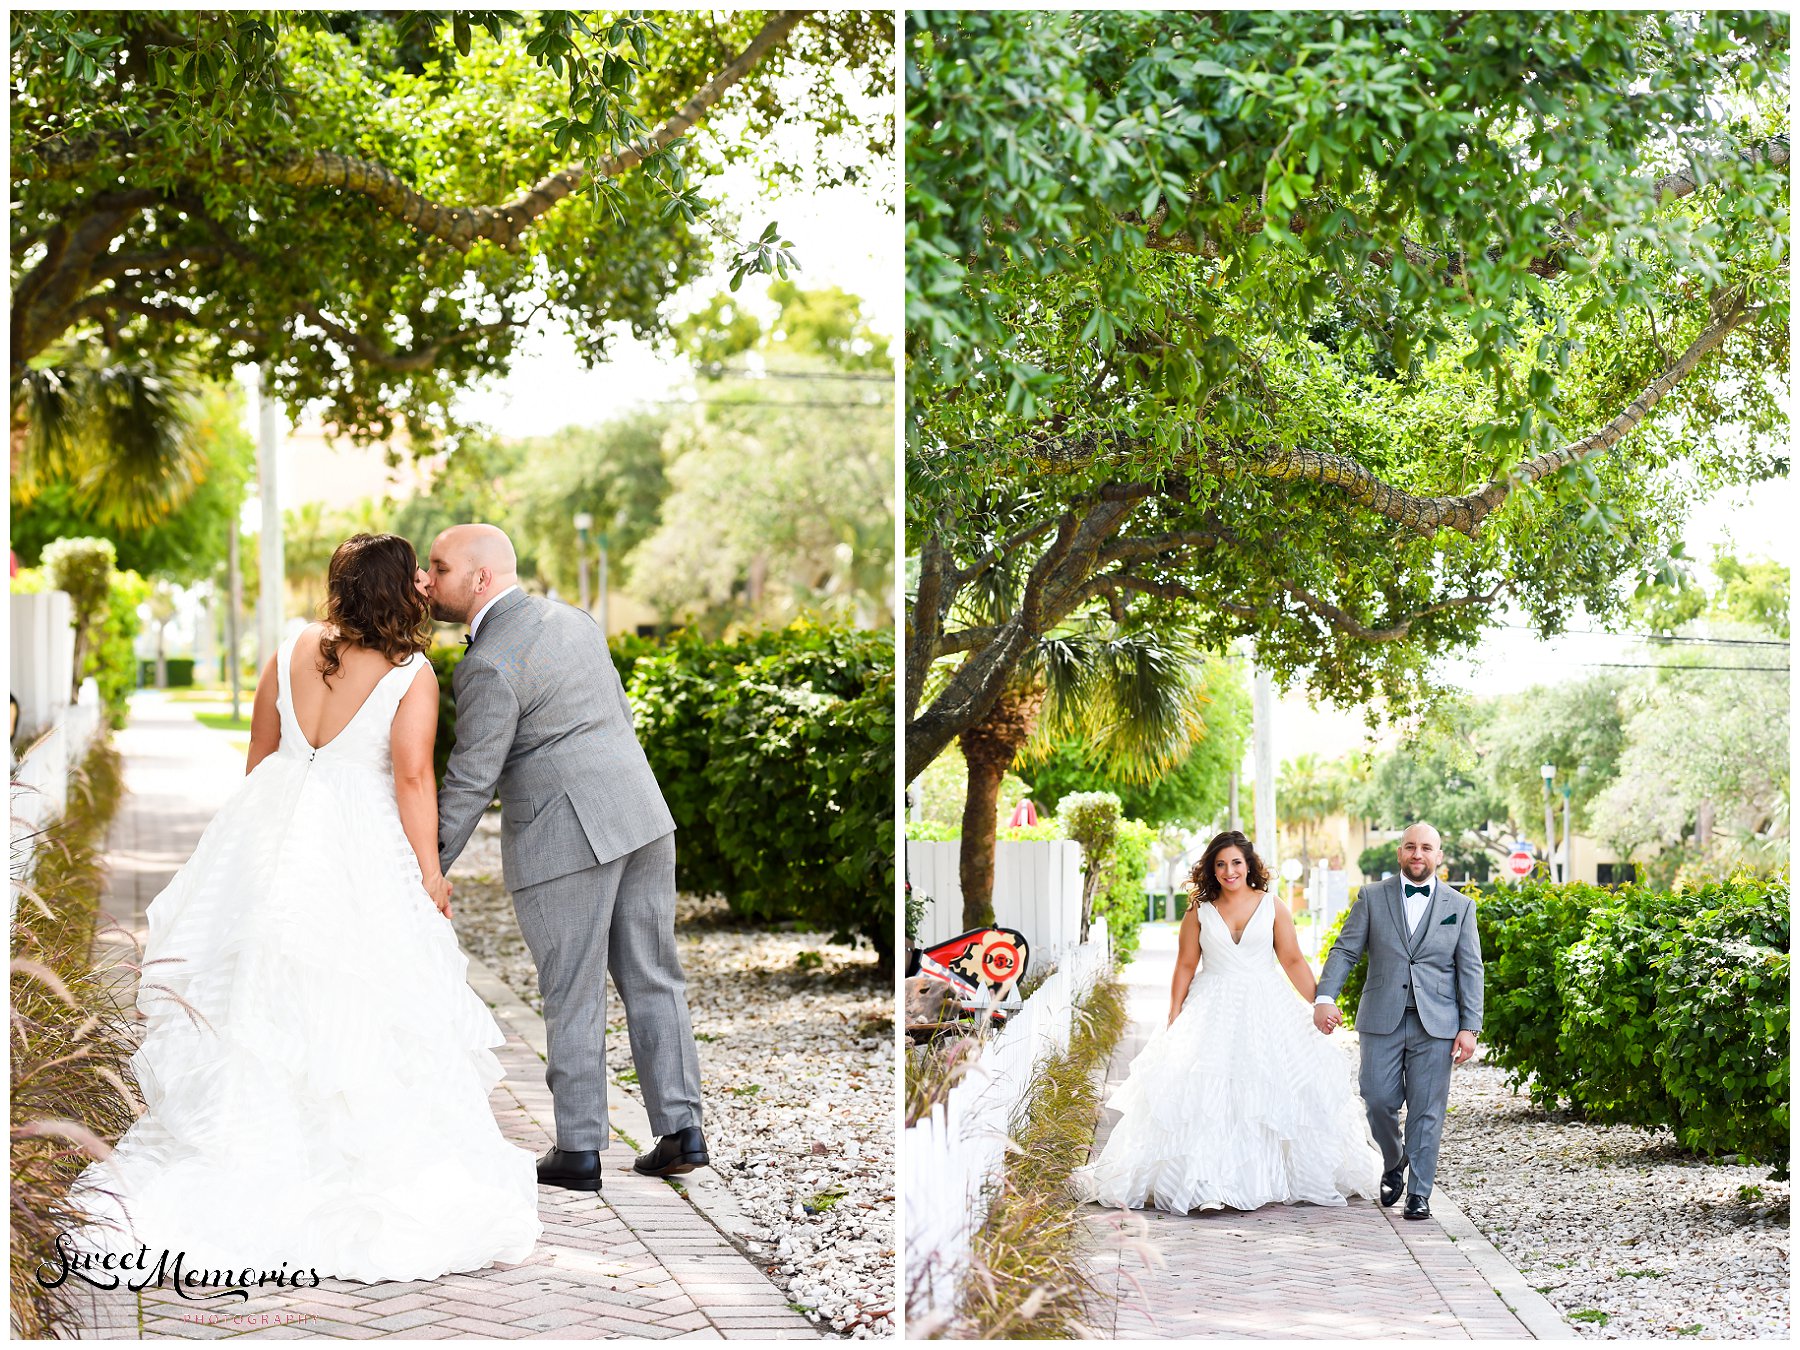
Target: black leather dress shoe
x: 1392, y: 1183
x: 1417, y: 1207
x: 572, y: 1169
x: 674, y: 1154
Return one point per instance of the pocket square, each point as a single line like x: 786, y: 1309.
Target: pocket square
x: 1448, y: 918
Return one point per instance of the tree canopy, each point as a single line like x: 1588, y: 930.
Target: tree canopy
x: 1341, y: 330
x: 377, y: 204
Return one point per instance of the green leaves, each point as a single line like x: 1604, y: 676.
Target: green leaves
x: 469, y: 108
x: 1646, y: 1007
x: 797, y: 726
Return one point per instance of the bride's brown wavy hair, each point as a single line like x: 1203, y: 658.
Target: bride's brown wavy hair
x: 1203, y: 881
x: 370, y: 601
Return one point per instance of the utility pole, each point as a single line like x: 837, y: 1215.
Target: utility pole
x: 234, y: 606
x: 1267, y: 839
x: 270, y: 609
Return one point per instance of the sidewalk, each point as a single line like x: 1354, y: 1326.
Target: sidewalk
x: 638, y: 1260
x: 1297, y: 1271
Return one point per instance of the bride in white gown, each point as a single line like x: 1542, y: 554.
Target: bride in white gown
x: 1238, y: 1102
x: 315, y: 1068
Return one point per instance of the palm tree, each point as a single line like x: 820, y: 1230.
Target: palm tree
x: 1133, y: 693
x: 121, y: 434
x: 1310, y: 791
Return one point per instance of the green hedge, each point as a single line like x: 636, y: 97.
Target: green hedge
x: 180, y: 670
x: 775, y: 754
x: 1648, y: 1008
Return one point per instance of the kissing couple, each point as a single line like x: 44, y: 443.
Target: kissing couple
x: 315, y: 1068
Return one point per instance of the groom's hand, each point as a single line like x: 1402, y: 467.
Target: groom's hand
x: 1326, y: 1017
x: 1464, y: 1047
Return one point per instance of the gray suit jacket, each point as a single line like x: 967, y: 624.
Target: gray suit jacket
x: 1443, y: 973
x: 542, y: 716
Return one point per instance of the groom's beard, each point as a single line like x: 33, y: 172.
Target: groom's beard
x: 1416, y: 871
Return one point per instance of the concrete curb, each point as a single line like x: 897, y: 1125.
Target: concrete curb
x: 630, y: 1122
x: 1538, y: 1315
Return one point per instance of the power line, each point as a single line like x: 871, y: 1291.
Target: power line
x: 1653, y: 637
x: 1720, y: 642
x: 1654, y: 665
x: 877, y: 406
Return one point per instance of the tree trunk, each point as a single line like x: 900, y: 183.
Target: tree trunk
x: 989, y: 747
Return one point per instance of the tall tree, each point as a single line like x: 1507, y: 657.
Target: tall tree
x: 782, y: 480
x: 1340, y: 331
x: 375, y: 205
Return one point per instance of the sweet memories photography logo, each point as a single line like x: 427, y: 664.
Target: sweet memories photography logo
x: 140, y: 1270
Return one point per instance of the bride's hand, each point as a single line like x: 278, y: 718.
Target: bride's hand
x: 439, y: 888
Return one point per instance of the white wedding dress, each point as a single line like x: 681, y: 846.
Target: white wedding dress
x: 1240, y: 1101
x: 326, y: 1103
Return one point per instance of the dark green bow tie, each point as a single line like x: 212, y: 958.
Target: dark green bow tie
x: 1412, y: 890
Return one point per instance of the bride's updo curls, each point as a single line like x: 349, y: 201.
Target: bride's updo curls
x: 1203, y: 881
x: 371, y: 601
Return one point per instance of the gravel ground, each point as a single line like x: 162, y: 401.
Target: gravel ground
x: 1616, y: 1221
x: 797, y: 1066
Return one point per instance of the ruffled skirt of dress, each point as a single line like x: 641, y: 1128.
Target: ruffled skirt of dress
x: 1238, y: 1104
x: 315, y: 1067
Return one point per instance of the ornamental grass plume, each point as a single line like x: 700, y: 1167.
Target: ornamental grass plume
x: 1029, y: 1277
x: 71, y: 1041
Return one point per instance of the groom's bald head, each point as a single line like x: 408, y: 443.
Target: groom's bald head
x: 470, y: 565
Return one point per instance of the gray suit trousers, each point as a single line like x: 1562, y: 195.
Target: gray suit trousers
x: 618, y: 916
x: 1411, y: 1067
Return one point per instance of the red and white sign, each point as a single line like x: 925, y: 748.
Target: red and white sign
x: 1520, y: 861
x: 1025, y: 813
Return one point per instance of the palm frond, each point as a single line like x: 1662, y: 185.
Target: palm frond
x: 142, y: 459
x: 121, y: 435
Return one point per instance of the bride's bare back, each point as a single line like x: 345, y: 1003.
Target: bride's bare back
x: 324, y: 709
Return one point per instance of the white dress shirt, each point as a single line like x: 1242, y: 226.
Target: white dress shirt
x: 475, y: 622
x: 1416, y: 905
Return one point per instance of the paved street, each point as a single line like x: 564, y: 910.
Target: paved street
x: 639, y: 1260
x: 1298, y: 1271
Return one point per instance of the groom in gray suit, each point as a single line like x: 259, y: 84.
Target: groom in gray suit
x: 1420, y: 1010
x: 587, y: 847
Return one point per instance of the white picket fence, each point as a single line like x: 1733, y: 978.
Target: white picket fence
x: 54, y: 732
x: 1037, y: 890
x: 958, y: 1150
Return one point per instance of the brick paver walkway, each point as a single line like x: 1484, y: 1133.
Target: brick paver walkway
x: 1296, y: 1271
x: 638, y: 1260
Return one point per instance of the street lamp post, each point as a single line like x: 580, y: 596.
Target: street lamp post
x: 583, y: 523
x: 1568, y: 860
x: 1549, y: 773
x: 603, y: 596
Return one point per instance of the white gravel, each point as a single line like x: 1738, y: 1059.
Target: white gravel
x: 1618, y: 1221
x: 797, y: 1069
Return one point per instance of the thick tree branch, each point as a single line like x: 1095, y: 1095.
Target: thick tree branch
x: 458, y: 226
x: 966, y: 640
x: 1465, y: 513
